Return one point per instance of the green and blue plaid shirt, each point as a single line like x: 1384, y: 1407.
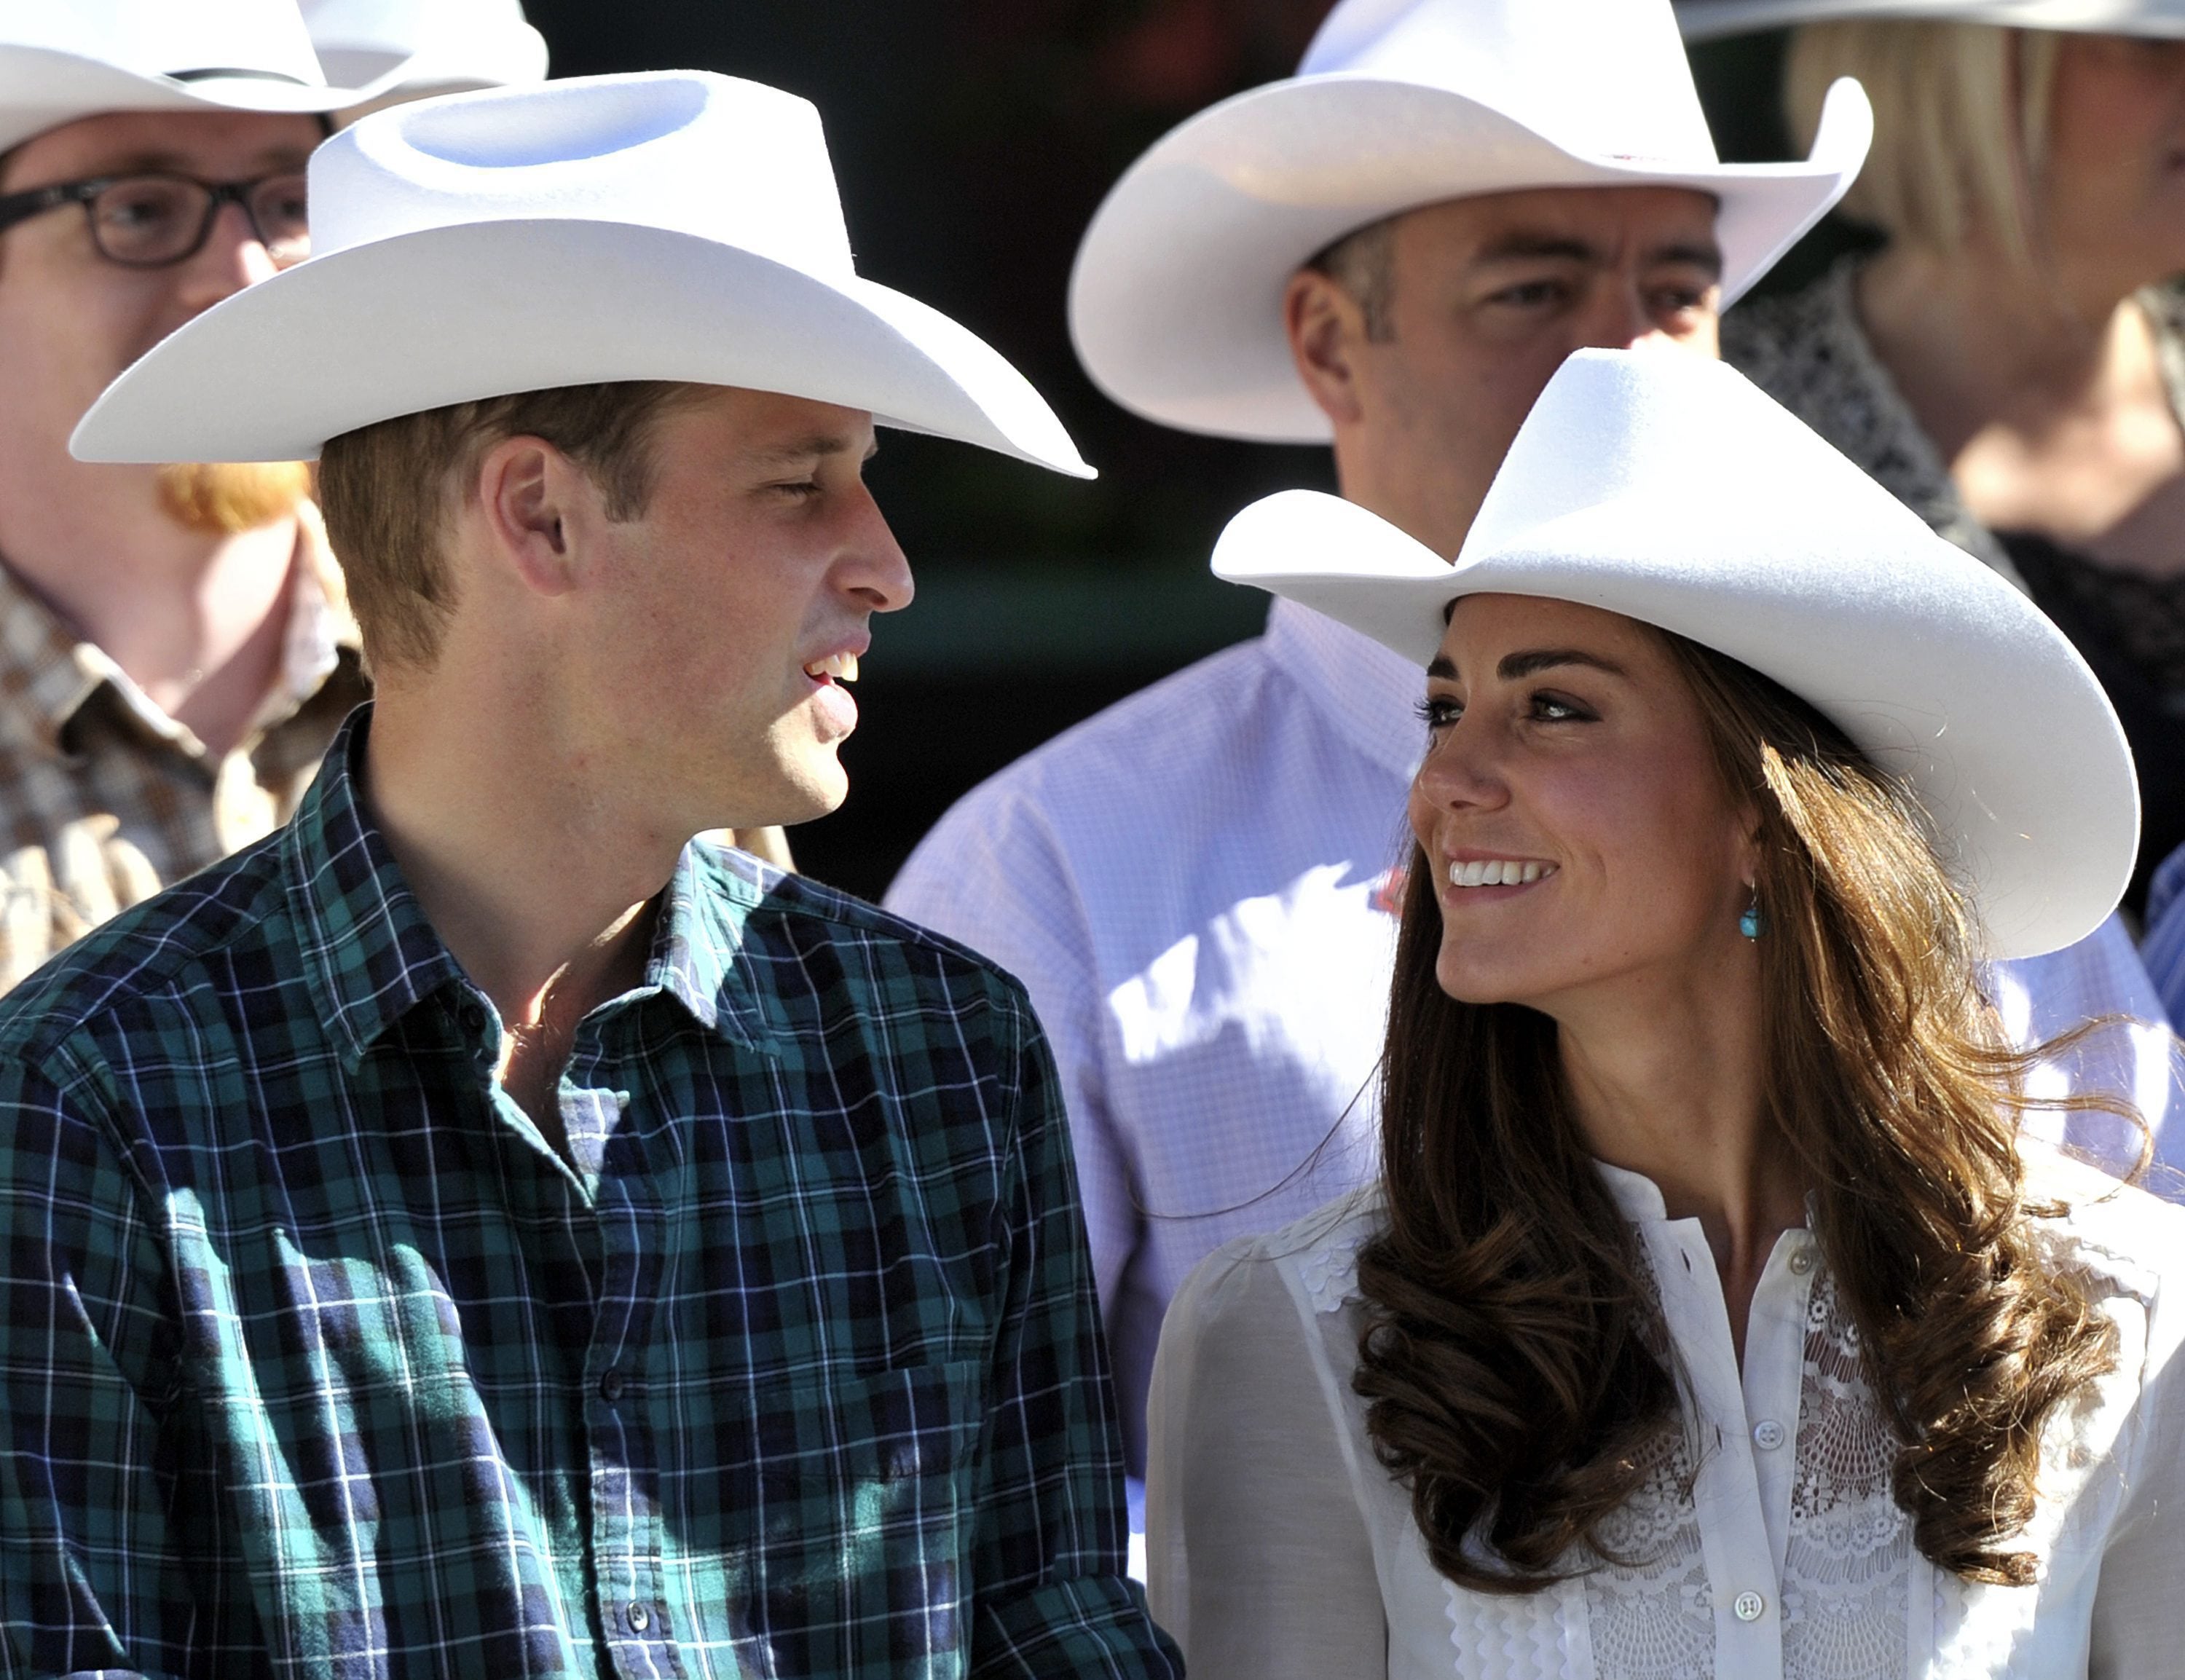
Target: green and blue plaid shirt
x: 318, y: 1361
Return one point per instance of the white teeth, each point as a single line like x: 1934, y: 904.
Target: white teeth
x: 841, y: 666
x: 1497, y: 872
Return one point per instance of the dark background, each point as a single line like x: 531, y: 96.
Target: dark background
x: 973, y: 140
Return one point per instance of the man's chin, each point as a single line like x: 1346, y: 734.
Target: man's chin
x: 809, y: 791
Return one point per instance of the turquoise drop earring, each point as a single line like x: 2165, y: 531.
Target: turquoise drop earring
x: 1752, y: 923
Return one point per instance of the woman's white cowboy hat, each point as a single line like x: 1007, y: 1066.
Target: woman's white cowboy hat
x: 1664, y: 486
x: 675, y: 225
x: 1175, y: 303
x: 1704, y: 19
x: 408, y: 49
x: 63, y: 60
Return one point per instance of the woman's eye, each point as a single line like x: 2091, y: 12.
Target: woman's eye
x: 1554, y: 709
x: 1438, y: 711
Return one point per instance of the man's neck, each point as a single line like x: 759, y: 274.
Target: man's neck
x: 198, y: 620
x: 532, y: 880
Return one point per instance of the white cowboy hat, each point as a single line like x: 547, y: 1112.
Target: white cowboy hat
x: 1705, y: 19
x: 1666, y: 487
x: 63, y: 60
x: 1175, y: 303
x: 408, y: 49
x: 676, y: 225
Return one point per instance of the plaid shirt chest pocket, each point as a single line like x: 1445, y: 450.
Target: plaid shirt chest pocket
x: 858, y: 1507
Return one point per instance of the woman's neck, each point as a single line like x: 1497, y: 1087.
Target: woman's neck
x: 1672, y: 1089
x: 2044, y: 393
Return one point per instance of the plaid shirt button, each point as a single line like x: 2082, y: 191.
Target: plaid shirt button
x: 611, y: 1386
x: 640, y: 1618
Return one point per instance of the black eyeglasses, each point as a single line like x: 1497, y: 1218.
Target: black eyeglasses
x: 152, y: 221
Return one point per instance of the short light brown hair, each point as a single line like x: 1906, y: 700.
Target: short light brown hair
x: 1363, y: 263
x: 1960, y: 123
x: 386, y: 490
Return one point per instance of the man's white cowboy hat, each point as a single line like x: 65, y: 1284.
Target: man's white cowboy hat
x: 65, y: 59
x: 1666, y: 487
x: 1176, y: 301
x: 675, y: 225
x: 408, y: 49
x: 1705, y: 19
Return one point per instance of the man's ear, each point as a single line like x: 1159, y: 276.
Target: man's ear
x: 538, y: 506
x: 1326, y: 329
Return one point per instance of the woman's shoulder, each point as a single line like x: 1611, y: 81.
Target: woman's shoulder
x: 1313, y: 1261
x: 2129, y: 1242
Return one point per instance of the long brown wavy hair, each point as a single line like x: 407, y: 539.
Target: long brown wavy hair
x: 1507, y: 1357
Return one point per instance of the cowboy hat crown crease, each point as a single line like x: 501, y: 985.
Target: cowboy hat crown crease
x: 1666, y: 487
x: 1175, y: 299
x: 1630, y: 95
x: 576, y: 232
x: 607, y: 150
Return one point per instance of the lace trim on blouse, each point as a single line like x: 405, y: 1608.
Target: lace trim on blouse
x: 1847, y: 1565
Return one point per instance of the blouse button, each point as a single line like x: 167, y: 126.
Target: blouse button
x: 1802, y: 1260
x: 1767, y: 1435
x: 1749, y: 1607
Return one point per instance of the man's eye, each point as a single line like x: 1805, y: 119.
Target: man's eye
x: 803, y: 489
x: 1531, y: 295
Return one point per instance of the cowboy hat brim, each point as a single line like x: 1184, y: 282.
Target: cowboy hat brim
x: 1709, y: 20
x: 1940, y: 672
x: 486, y: 309
x: 502, y: 57
x: 42, y: 88
x: 1175, y: 300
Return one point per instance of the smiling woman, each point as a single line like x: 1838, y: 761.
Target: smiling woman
x: 1712, y: 1314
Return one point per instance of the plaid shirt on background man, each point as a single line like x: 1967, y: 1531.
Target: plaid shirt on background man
x: 104, y: 799
x: 317, y: 1360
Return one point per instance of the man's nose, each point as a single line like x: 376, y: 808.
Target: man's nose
x: 232, y: 256
x: 1617, y: 316
x: 874, y: 566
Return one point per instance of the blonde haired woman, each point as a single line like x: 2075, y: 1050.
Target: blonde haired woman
x: 1710, y: 1317
x: 2012, y: 364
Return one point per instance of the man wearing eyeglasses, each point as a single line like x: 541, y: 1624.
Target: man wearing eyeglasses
x: 175, y: 650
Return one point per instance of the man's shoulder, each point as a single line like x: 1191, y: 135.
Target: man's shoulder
x: 1181, y: 757
x: 794, y: 924
x: 1160, y: 737
x: 152, y: 951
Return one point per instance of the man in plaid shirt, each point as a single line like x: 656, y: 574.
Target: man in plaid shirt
x: 474, y: 1231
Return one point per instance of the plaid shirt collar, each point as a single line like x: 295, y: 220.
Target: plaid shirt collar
x: 55, y: 671
x: 370, y: 956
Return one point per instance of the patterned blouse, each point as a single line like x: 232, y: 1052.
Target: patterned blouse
x: 1765, y: 1545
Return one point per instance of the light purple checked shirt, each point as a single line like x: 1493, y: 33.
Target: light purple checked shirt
x: 1196, y: 886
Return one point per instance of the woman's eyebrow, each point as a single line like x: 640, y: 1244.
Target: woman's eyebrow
x: 1515, y: 666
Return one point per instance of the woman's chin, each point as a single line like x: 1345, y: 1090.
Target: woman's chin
x: 1469, y: 980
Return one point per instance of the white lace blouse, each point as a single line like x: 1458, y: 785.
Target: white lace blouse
x: 1279, y: 1549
